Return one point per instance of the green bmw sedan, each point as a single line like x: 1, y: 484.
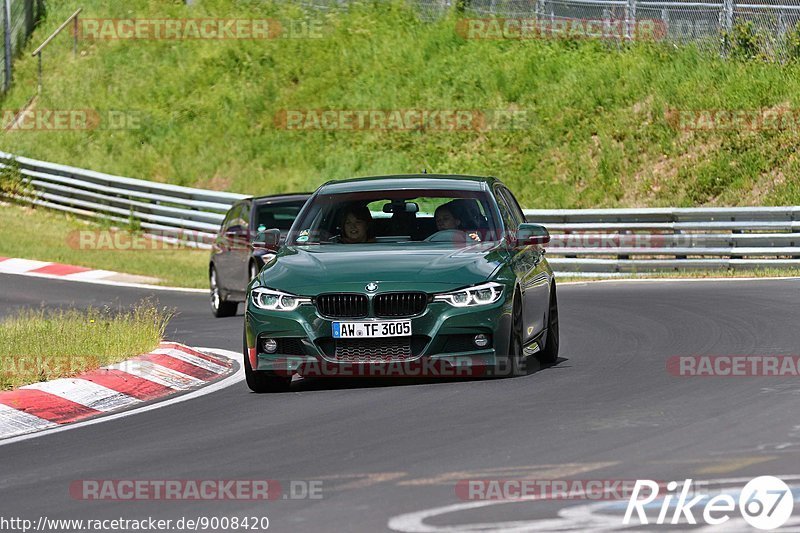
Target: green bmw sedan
x: 417, y: 275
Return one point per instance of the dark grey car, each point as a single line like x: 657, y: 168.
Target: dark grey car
x: 233, y: 261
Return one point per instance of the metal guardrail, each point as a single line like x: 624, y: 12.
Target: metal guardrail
x: 585, y: 242
x: 617, y: 242
x: 185, y: 213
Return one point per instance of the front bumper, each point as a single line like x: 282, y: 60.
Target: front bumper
x: 440, y: 338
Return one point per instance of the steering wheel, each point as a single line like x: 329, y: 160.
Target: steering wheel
x: 447, y: 235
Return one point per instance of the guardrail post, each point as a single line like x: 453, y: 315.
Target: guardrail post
x: 75, y: 36
x: 630, y: 20
x: 7, y: 42
x: 40, y: 50
x: 727, y: 6
x: 726, y: 23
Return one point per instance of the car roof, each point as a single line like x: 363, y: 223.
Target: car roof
x: 409, y: 181
x: 277, y: 198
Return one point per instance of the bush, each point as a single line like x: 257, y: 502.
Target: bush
x: 11, y: 180
x: 743, y: 42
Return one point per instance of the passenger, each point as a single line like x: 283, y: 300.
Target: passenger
x: 357, y: 225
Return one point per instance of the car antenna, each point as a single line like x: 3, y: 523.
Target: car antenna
x: 424, y: 170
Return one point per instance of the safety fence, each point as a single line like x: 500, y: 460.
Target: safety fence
x: 19, y: 18
x: 753, y: 29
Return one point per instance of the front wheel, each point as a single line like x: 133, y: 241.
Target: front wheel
x: 220, y: 307
x: 263, y: 382
x: 516, y: 364
x: 549, y: 355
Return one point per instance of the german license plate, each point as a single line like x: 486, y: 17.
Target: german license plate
x: 371, y: 330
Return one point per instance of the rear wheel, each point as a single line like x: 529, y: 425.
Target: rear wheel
x: 550, y: 353
x: 220, y: 307
x: 263, y: 382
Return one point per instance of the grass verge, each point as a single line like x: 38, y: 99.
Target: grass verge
x: 604, y: 130
x: 37, y: 345
x: 36, y: 233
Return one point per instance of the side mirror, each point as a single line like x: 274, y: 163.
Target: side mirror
x: 234, y: 231
x: 531, y: 234
x: 267, y: 240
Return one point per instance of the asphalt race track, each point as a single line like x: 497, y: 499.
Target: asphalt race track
x: 608, y: 410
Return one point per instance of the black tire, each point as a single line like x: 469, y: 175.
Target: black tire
x: 549, y: 355
x: 220, y: 307
x: 516, y: 364
x: 262, y: 382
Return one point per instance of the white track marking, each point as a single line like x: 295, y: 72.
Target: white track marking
x: 575, y: 518
x: 158, y: 374
x: 90, y: 275
x: 193, y: 359
x: 13, y: 422
x: 223, y: 383
x: 20, y: 266
x: 86, y: 393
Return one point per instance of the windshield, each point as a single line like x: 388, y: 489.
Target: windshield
x: 277, y: 215
x: 402, y: 216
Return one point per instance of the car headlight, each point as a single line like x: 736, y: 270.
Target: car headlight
x: 276, y: 300
x: 484, y: 294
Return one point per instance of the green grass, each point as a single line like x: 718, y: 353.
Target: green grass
x: 36, y: 345
x: 36, y: 233
x: 600, y: 134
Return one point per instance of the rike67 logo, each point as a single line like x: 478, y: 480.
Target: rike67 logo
x: 765, y: 502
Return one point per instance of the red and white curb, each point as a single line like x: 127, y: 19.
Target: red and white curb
x: 45, y: 268
x: 171, y: 369
x: 50, y: 270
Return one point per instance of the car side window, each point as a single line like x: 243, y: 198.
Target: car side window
x: 516, y: 210
x: 244, y: 216
x: 509, y: 221
x: 229, y: 218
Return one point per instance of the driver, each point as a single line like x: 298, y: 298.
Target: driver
x: 357, y: 225
x: 445, y: 218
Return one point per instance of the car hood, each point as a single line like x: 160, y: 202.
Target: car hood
x: 310, y: 270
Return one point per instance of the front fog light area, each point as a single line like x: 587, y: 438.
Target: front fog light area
x: 269, y: 345
x: 481, y: 340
